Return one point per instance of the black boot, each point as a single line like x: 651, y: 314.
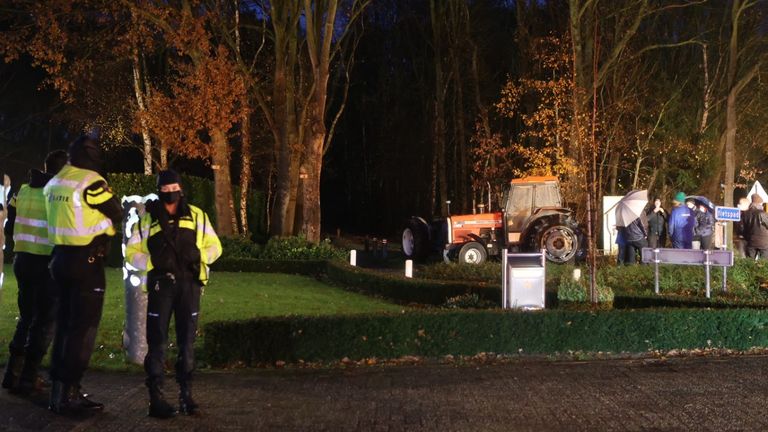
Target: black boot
x: 187, y: 405
x: 30, y: 382
x: 13, y: 371
x: 158, y: 407
x: 79, y: 400
x: 70, y: 399
x: 59, y: 397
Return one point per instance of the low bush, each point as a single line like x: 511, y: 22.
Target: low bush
x: 747, y: 279
x: 248, y: 265
x: 402, y: 290
x: 298, y: 248
x: 437, y: 333
x: 468, y: 301
x: 577, y: 291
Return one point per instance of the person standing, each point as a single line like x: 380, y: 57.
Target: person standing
x: 621, y: 244
x: 81, y: 212
x: 657, y: 225
x: 174, y: 242
x: 739, y: 243
x: 681, y: 223
x: 705, y: 226
x: 636, y: 240
x: 28, y: 226
x: 756, y: 229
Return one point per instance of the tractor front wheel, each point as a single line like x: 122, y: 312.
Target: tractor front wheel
x: 472, y: 253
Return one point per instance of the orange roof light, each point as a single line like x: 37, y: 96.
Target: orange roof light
x: 534, y: 179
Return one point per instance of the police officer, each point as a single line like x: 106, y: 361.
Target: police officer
x: 28, y: 226
x: 174, y: 242
x: 82, y: 212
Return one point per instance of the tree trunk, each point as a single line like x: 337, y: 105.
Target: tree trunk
x: 138, y: 90
x: 438, y: 109
x: 313, y: 164
x: 284, y: 97
x: 222, y: 183
x: 245, y: 170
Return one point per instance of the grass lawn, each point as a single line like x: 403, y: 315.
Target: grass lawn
x: 229, y: 296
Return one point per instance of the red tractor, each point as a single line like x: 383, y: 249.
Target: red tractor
x: 533, y: 218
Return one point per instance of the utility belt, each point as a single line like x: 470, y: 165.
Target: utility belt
x: 157, y: 279
x: 94, y: 252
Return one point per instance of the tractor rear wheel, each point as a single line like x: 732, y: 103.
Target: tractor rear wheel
x: 560, y: 242
x: 472, y: 253
x: 415, y: 244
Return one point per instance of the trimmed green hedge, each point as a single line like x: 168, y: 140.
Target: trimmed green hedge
x: 397, y: 288
x: 247, y: 265
x: 433, y: 334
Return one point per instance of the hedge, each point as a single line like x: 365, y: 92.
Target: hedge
x: 397, y: 288
x: 302, y: 267
x: 438, y: 333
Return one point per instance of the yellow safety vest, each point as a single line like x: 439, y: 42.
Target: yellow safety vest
x: 30, y: 230
x: 71, y: 221
x: 206, y: 240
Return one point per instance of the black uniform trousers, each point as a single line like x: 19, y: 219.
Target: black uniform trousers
x: 37, y: 306
x: 81, y: 281
x: 180, y: 297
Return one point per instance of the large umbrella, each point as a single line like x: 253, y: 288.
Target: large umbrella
x: 701, y: 200
x: 631, y: 207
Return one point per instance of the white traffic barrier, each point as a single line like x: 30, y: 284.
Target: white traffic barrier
x: 353, y: 257
x: 409, y: 268
x: 135, y: 331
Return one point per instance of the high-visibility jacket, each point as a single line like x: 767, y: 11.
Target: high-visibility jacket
x: 137, y: 248
x: 30, y: 229
x: 71, y: 220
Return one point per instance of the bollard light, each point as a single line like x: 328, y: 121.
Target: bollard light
x: 353, y: 257
x: 576, y: 274
x: 409, y: 268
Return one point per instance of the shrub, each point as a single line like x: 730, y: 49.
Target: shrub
x: 248, y: 265
x: 298, y: 248
x: 239, y: 247
x: 460, y: 332
x: 487, y: 272
x: 397, y: 288
x: 468, y: 301
x: 577, y: 291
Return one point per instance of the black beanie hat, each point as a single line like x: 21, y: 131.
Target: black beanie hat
x: 166, y: 177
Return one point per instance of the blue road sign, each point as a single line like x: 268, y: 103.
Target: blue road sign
x: 727, y: 214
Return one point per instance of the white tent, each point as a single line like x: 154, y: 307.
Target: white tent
x: 757, y: 188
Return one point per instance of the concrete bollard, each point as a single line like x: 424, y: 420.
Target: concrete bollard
x: 353, y: 257
x: 409, y: 268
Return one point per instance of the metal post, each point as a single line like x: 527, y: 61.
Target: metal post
x: 725, y: 247
x: 504, y: 278
x: 656, y: 270
x: 706, y: 266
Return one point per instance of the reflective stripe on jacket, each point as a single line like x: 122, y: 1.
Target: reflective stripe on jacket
x: 71, y: 220
x: 30, y: 230
x: 206, y: 240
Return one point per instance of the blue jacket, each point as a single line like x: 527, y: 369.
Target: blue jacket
x: 681, y: 223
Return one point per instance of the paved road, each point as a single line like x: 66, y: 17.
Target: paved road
x: 710, y: 393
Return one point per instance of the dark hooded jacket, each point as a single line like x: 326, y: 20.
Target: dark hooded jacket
x: 756, y: 227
